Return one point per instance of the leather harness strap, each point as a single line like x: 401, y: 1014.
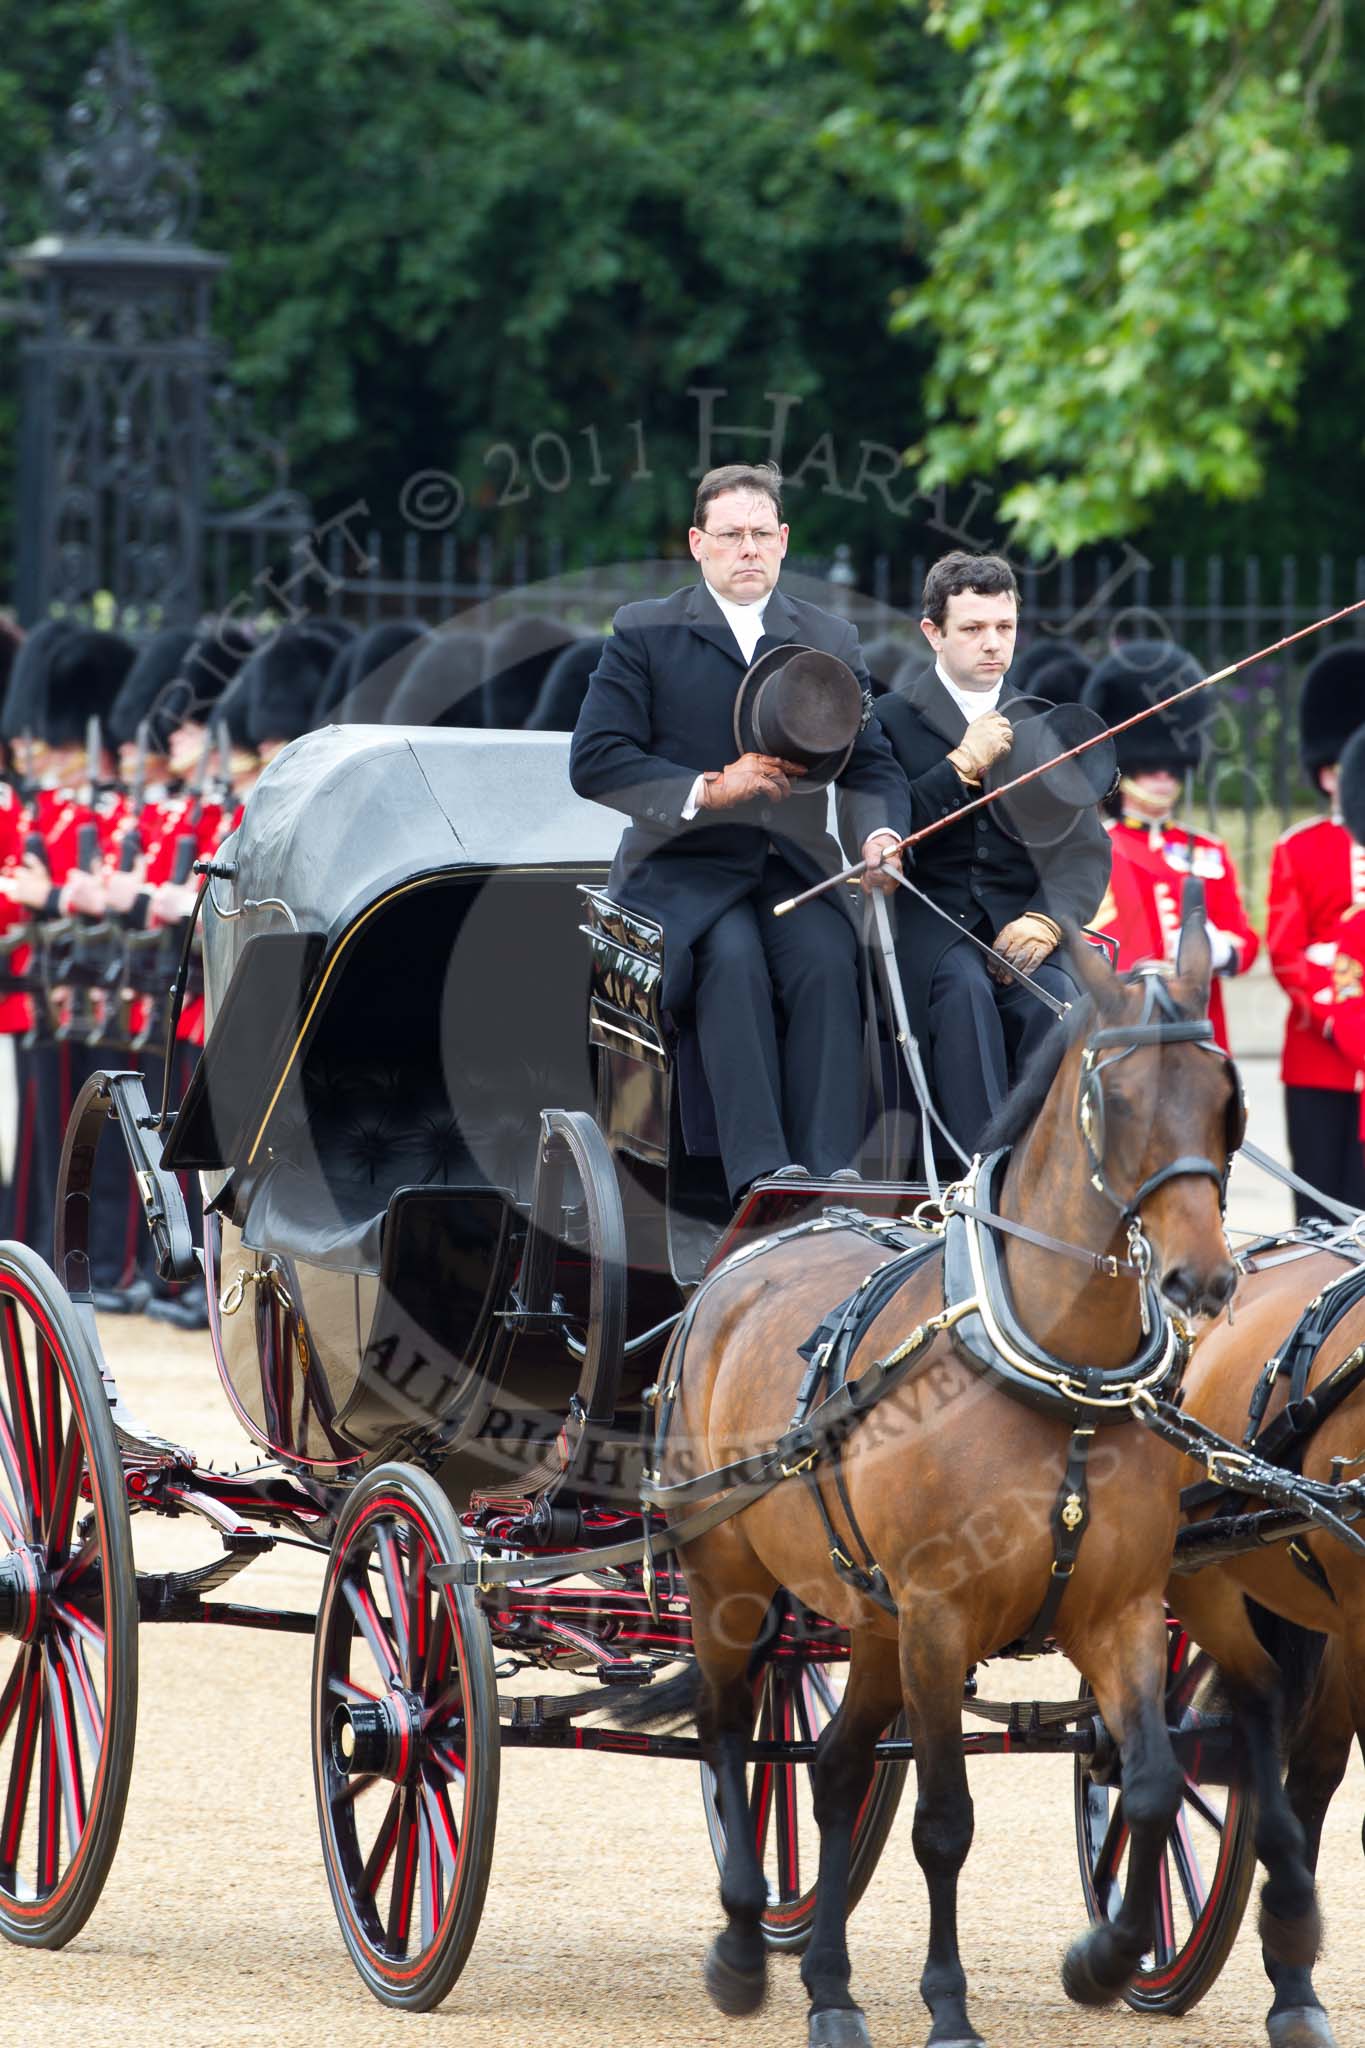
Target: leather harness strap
x: 956, y: 1204
x: 1070, y: 1520
x: 1282, y: 1443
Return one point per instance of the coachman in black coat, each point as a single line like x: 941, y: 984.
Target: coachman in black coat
x: 659, y: 711
x: 976, y: 1030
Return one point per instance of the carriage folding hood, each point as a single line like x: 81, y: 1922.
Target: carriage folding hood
x: 342, y: 817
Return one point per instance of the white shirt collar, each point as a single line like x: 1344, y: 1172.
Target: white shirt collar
x: 971, y: 703
x: 744, y: 620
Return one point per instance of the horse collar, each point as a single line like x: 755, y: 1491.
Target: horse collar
x: 991, y: 1338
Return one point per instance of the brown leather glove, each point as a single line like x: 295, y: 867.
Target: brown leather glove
x: 986, y: 740
x: 751, y: 776
x: 1026, y: 941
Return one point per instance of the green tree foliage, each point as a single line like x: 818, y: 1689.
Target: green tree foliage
x: 456, y: 228
x: 1131, y: 231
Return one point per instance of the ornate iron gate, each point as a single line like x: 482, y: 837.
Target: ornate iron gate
x: 121, y: 380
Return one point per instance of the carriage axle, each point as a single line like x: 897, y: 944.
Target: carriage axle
x: 377, y: 1738
x: 21, y: 1595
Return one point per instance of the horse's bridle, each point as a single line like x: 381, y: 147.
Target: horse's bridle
x: 1160, y: 1024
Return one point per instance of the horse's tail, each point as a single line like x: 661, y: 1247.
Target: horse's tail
x: 1298, y: 1652
x: 665, y: 1709
x: 668, y: 1708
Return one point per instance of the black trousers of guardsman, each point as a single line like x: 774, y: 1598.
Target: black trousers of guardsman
x: 779, y: 1026
x: 1324, y: 1146
x: 980, y: 1033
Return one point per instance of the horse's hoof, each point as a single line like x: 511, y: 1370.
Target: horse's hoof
x: 839, y: 2027
x: 734, y: 1992
x: 1300, y: 2026
x: 1079, y: 1979
x: 1294, y: 1943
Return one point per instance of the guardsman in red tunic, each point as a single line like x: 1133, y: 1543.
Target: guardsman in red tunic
x: 76, y: 681
x: 1347, y: 966
x: 1317, y: 877
x: 1152, y: 853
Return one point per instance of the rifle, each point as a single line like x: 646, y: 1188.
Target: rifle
x: 154, y: 955
x: 159, y: 951
x: 72, y: 961
x: 30, y: 933
x: 223, y: 788
x: 28, y: 783
x: 112, y: 932
x: 93, y: 749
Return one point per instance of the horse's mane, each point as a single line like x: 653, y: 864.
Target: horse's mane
x: 1030, y: 1091
x: 1009, y: 1123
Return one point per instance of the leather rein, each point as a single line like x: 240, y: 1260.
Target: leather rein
x: 1159, y: 1024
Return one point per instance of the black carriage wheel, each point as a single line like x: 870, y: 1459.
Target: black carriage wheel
x: 405, y: 1740
x: 68, y: 1614
x: 793, y: 1702
x: 1210, y: 1856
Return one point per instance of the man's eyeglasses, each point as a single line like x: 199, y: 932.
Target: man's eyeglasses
x: 731, y: 537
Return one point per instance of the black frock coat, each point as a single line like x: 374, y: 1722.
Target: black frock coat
x: 973, y: 869
x: 660, y: 710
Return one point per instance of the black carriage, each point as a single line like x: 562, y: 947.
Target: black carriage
x: 451, y: 1217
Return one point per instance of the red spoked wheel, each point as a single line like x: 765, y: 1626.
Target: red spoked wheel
x: 1210, y: 1854
x: 406, y: 1745
x: 793, y: 1702
x: 68, y: 1614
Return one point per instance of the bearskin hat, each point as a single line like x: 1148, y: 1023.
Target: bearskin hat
x: 886, y: 656
x: 84, y: 677
x: 283, y: 681
x: 26, y: 694
x: 1332, y: 705
x: 11, y: 640
x: 1051, y: 668
x: 149, y: 690
x: 521, y: 653
x: 1351, y: 786
x: 216, y: 659
x: 1135, y: 675
x: 366, y: 672
x: 231, y: 713
x: 341, y: 632
x: 444, y: 685
x: 565, y: 687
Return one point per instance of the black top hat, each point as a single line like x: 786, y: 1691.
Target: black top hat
x: 803, y: 706
x: 1046, y: 809
x: 1136, y: 675
x: 1332, y: 705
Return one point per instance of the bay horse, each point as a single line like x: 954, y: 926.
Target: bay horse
x: 1318, y: 1585
x: 954, y: 1488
